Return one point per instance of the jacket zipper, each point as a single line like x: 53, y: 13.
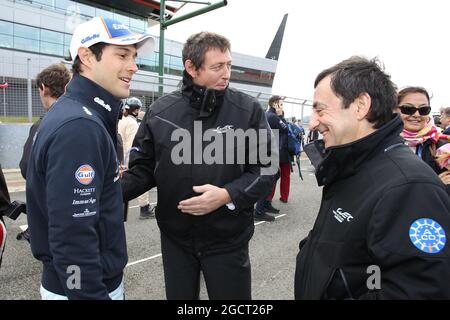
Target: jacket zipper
x: 313, y: 245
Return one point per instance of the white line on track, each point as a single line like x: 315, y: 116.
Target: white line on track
x: 159, y: 254
x: 143, y: 260
x: 152, y: 203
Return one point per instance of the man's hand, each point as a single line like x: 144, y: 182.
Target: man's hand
x: 445, y: 177
x: 211, y: 198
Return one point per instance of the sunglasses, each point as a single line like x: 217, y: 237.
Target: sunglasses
x: 410, y: 110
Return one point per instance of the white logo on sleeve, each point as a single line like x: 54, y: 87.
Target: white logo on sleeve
x: 427, y: 235
x: 342, y: 216
x: 87, y: 111
x: 85, y: 174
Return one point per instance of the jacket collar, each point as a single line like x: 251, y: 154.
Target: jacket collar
x: 272, y: 110
x: 201, y: 98
x: 338, y: 162
x: 97, y: 99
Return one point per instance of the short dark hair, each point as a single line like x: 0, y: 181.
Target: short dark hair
x: 55, y: 77
x: 446, y: 111
x: 437, y: 120
x: 274, y: 99
x: 405, y: 91
x: 198, y: 44
x: 97, y: 50
x: 356, y: 75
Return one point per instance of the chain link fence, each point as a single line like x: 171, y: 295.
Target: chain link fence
x: 20, y: 101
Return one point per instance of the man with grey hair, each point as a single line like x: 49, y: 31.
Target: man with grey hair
x: 205, y: 208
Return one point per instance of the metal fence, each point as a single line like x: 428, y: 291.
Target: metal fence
x: 20, y: 101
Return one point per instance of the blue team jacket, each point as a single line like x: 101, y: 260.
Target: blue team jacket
x: 74, y: 197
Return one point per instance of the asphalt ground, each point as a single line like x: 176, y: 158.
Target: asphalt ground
x: 273, y: 249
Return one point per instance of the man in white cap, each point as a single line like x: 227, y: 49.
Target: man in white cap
x: 75, y: 209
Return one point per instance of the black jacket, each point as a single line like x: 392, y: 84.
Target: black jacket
x: 376, y: 193
x: 23, y: 165
x: 74, y: 199
x: 279, y: 123
x: 151, y: 165
x: 429, y: 156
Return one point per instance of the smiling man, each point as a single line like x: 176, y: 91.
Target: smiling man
x: 75, y: 212
x: 205, y: 210
x: 381, y: 229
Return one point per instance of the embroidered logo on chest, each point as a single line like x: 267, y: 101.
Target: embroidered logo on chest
x: 342, y: 216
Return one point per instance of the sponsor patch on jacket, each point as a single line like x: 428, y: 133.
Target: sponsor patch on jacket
x: 85, y: 213
x: 102, y: 103
x: 342, y: 216
x: 85, y: 174
x: 76, y: 202
x: 427, y: 235
x: 224, y: 128
x: 84, y: 192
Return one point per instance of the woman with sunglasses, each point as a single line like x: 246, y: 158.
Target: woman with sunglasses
x: 419, y: 131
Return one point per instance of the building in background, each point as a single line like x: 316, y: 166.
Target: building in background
x: 35, y: 34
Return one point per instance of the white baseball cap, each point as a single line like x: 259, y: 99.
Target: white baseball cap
x: 111, y: 31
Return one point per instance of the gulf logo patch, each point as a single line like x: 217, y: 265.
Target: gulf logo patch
x: 85, y: 174
x: 427, y: 235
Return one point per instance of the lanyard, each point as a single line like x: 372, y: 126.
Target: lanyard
x: 419, y: 150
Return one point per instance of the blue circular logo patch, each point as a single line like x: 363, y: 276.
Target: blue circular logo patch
x: 427, y: 235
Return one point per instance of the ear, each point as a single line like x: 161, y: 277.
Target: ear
x: 44, y: 89
x: 363, y: 103
x: 190, y: 68
x: 86, y: 56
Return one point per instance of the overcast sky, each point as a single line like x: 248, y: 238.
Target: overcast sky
x: 410, y: 36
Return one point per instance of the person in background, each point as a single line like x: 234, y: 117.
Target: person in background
x: 51, y: 83
x: 445, y: 120
x: 381, y: 228
x: 420, y: 132
x: 276, y: 121
x: 128, y: 127
x: 312, y: 136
